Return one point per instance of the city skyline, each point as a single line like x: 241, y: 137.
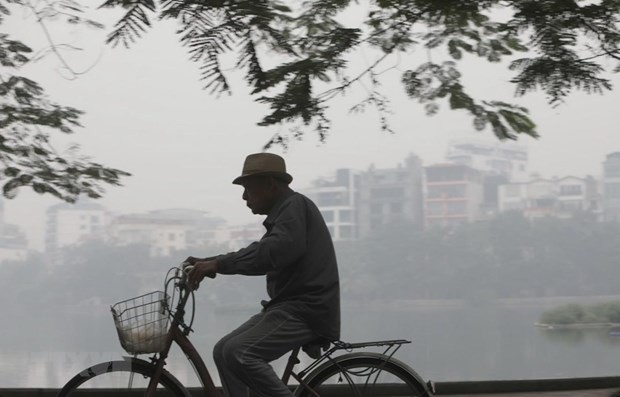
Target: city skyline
x: 146, y: 113
x: 234, y: 221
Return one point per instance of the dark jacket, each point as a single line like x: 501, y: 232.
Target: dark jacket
x: 297, y: 256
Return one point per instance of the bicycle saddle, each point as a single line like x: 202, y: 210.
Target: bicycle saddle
x: 314, y: 349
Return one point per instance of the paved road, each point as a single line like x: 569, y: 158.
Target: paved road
x: 573, y: 393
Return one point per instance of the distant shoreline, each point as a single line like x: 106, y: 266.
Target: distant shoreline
x: 431, y: 304
x: 441, y: 304
x: 577, y: 326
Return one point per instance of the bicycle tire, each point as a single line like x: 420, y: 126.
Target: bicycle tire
x: 141, y: 370
x: 363, y: 375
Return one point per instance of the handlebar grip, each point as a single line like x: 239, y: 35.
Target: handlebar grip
x: 184, y: 270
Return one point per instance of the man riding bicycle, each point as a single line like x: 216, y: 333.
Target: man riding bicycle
x: 297, y: 256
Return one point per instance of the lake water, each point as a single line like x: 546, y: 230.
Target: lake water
x: 449, y: 344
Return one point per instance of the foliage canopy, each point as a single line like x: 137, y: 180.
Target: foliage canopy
x: 28, y: 116
x: 566, y: 44
x: 297, y: 56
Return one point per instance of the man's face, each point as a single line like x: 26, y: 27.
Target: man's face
x: 258, y: 194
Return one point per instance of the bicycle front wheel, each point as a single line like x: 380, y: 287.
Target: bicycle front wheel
x: 363, y: 375
x: 121, y: 378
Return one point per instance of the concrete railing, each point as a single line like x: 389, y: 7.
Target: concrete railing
x: 442, y: 388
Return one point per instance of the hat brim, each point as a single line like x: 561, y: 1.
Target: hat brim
x: 280, y: 175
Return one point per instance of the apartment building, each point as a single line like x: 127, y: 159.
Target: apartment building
x: 557, y: 197
x: 71, y: 224
x: 611, y: 187
x: 491, y: 157
x: 337, y: 199
x: 389, y: 195
x: 166, y: 231
x: 454, y: 193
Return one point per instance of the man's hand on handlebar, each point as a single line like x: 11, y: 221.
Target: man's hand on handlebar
x: 201, y: 269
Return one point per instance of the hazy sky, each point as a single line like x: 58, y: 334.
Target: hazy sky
x: 146, y: 113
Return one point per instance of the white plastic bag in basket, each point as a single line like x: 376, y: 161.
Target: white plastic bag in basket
x: 148, y: 338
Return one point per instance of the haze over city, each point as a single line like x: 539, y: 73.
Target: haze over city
x: 469, y: 297
x: 146, y: 113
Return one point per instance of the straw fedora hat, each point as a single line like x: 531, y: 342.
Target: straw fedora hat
x: 263, y: 164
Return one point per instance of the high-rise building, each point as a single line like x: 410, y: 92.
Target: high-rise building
x: 389, y: 195
x: 611, y: 187
x: 69, y: 224
x: 496, y: 158
x: 337, y: 199
x: 454, y: 194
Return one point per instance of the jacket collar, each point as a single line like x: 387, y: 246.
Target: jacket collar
x: 273, y: 213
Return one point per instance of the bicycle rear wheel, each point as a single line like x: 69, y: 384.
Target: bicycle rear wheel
x: 121, y: 378
x: 363, y: 375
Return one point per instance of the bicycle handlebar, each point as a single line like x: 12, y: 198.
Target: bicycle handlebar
x: 176, y: 280
x: 183, y: 271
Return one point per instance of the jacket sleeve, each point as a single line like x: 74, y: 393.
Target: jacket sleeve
x: 282, y: 245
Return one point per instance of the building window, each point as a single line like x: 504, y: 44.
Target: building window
x: 612, y: 190
x: 434, y: 208
x: 513, y: 206
x: 570, y: 190
x: 392, y: 192
x: 540, y: 190
x: 450, y: 191
x: 328, y: 216
x: 396, y: 208
x: 346, y: 232
x: 172, y: 236
x: 456, y: 208
x: 327, y: 199
x: 94, y: 219
x: 376, y: 209
x: 571, y: 205
x: 512, y: 190
x: 442, y: 174
x: 612, y: 171
x: 543, y: 203
x: 346, y: 216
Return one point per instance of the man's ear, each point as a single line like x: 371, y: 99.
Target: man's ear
x: 272, y: 183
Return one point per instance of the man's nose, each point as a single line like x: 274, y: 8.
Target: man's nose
x: 244, y: 195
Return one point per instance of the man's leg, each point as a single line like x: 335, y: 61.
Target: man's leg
x: 243, y: 356
x: 232, y: 385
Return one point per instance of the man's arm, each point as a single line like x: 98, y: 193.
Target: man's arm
x: 283, y: 244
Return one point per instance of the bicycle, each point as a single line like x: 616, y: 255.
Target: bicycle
x: 147, y: 324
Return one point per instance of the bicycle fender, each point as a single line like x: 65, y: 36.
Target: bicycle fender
x: 369, y: 355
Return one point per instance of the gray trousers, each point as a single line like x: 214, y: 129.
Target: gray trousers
x: 242, y: 357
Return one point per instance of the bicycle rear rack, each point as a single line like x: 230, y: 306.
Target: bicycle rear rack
x: 392, y: 346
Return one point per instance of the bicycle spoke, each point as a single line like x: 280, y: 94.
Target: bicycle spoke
x: 363, y: 376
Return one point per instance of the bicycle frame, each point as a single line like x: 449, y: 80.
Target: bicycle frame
x: 176, y: 335
x: 179, y: 336
x: 358, y: 369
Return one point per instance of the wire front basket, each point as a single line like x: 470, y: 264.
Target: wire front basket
x: 142, y: 322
